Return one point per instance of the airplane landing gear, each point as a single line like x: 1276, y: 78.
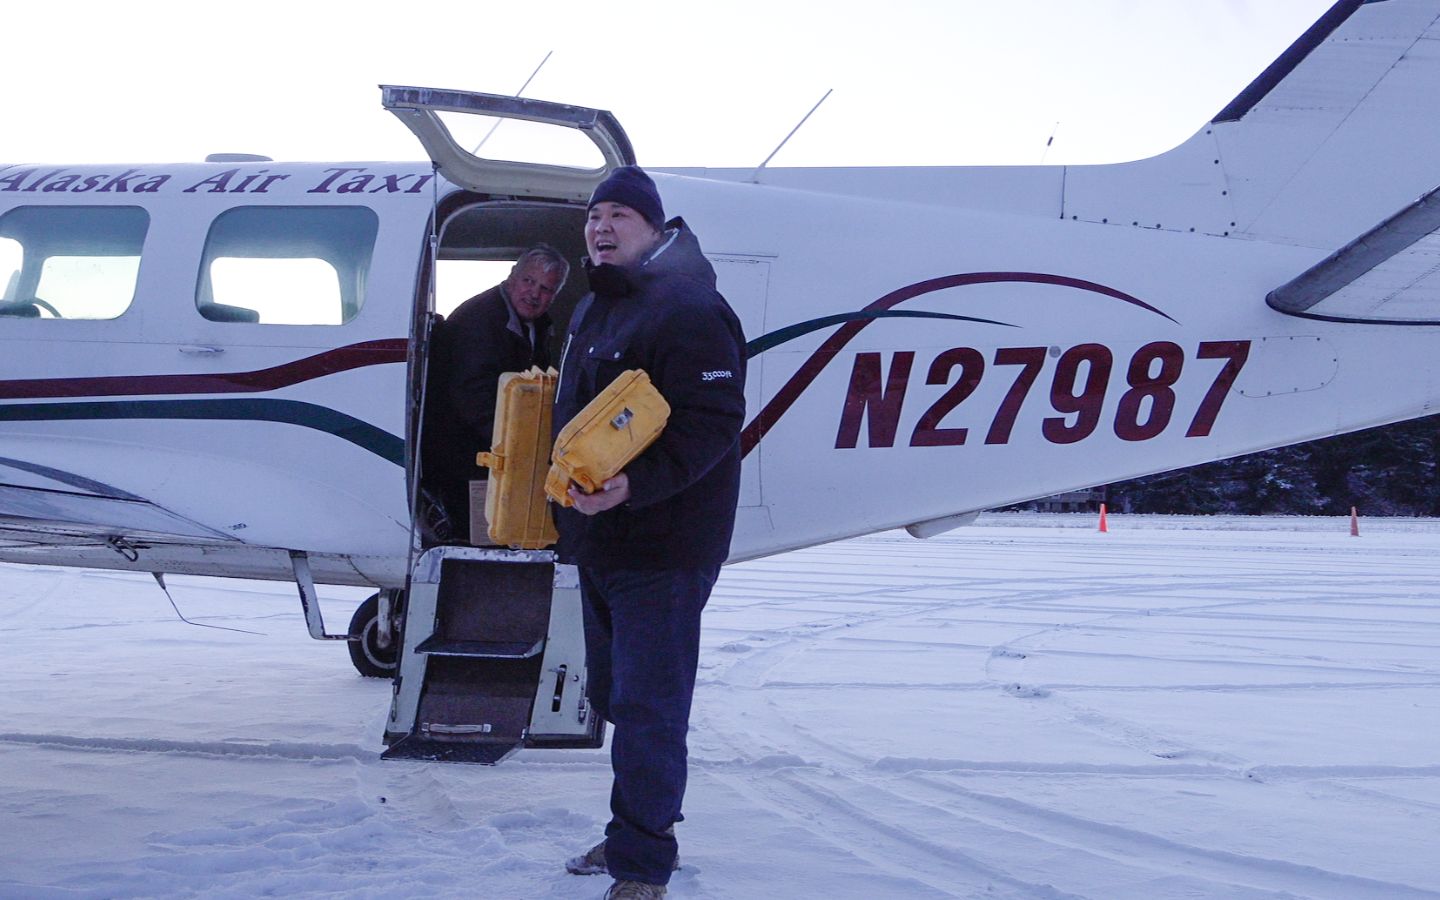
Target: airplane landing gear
x: 375, y: 651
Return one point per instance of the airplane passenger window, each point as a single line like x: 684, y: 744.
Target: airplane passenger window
x: 280, y: 291
x: 516, y: 140
x: 287, y: 265
x: 70, y: 262
x: 457, y: 280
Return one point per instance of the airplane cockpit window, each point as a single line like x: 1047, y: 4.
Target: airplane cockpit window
x: 12, y: 255
x: 287, y: 265
x: 70, y: 262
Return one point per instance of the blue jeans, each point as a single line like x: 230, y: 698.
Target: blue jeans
x: 642, y: 644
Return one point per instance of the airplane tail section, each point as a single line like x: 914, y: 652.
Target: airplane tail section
x: 1332, y: 138
x: 1335, y: 136
x: 1386, y: 276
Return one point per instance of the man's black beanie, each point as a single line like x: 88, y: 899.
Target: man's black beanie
x: 630, y: 186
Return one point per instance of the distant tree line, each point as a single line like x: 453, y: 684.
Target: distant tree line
x: 1385, y: 471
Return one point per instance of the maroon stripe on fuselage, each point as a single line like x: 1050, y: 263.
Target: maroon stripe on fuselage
x: 812, y: 367
x: 341, y: 359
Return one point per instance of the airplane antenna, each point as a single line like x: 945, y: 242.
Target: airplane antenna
x: 1053, y: 132
x: 755, y: 176
x: 160, y: 580
x: 517, y: 94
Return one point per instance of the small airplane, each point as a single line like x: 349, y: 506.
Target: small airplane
x: 219, y: 368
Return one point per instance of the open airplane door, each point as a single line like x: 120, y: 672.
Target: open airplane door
x: 493, y: 650
x: 421, y: 110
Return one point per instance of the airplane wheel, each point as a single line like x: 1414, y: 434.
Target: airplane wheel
x: 366, y: 654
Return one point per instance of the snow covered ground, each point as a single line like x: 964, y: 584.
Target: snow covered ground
x: 1024, y: 708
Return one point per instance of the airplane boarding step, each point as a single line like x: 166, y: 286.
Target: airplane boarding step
x: 493, y: 659
x: 480, y: 649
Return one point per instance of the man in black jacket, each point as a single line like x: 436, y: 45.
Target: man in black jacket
x: 504, y: 329
x: 650, y: 542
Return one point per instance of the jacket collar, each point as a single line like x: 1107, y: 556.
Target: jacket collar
x: 677, y: 252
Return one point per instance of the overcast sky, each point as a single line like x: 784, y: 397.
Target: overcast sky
x: 916, y: 82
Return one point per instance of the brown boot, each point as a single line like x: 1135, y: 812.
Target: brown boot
x: 592, y: 861
x: 634, y: 890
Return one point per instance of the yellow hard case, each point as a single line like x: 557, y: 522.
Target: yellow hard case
x: 515, y: 496
x: 606, y: 435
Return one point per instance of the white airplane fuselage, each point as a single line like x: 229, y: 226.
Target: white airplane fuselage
x: 925, y: 343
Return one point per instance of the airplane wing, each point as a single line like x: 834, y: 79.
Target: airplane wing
x: 43, y: 505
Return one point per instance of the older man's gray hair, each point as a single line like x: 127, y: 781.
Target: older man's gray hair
x: 548, y: 259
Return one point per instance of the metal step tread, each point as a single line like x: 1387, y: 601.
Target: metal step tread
x: 435, y: 646
x: 480, y: 752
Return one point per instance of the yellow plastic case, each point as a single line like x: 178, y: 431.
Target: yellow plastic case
x: 606, y: 435
x: 515, y: 494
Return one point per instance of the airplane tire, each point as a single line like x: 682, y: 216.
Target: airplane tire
x: 368, y: 657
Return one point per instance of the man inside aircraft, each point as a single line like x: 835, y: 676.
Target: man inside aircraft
x: 504, y: 329
x: 649, y: 542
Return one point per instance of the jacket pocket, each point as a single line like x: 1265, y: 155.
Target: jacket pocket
x: 643, y: 532
x: 604, y: 360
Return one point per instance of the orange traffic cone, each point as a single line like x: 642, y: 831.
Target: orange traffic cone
x: 1103, y: 528
x: 1354, y: 523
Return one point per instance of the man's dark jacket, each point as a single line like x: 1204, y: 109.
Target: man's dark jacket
x: 480, y: 340
x: 663, y: 316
